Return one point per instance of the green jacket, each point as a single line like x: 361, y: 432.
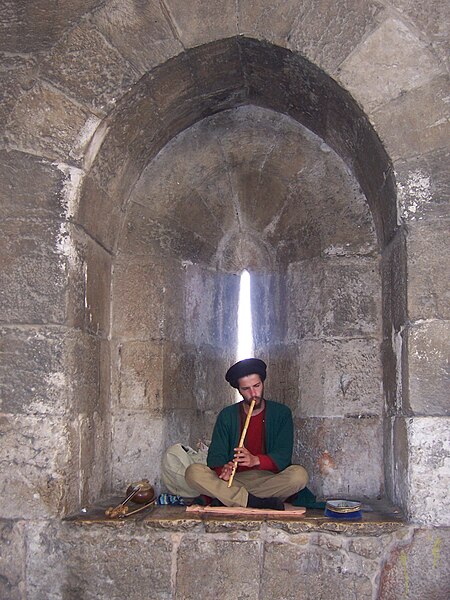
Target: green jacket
x: 279, y: 435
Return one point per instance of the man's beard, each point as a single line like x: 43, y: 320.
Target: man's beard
x: 258, y: 400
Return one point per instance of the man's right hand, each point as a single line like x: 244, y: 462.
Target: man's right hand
x: 226, y: 471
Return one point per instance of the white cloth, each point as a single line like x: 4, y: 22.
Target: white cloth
x: 175, y: 461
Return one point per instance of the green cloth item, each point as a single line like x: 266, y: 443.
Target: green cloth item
x: 279, y: 437
x: 307, y: 499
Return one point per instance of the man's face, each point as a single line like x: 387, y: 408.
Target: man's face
x: 251, y: 388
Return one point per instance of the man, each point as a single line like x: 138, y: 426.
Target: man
x: 264, y: 476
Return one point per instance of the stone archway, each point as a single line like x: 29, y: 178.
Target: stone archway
x: 156, y: 254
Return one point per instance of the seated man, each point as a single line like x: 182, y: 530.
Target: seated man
x: 264, y: 476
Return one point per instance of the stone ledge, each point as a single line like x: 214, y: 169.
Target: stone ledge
x: 377, y: 520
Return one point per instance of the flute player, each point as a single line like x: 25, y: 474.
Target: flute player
x: 264, y: 477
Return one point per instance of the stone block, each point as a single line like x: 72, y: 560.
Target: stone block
x: 112, y: 564
x: 202, y: 21
x: 34, y: 279
x: 418, y: 568
x: 282, y: 380
x: 338, y: 378
x: 333, y: 297
x: 30, y: 187
x: 390, y: 61
x: 137, y: 300
x: 429, y: 469
x: 327, y: 33
x: 85, y: 66
x: 98, y: 213
x: 394, y: 285
x: 179, y: 377
x: 427, y: 379
x: 268, y: 20
x: 144, y: 235
x: 313, y: 572
x: 211, y: 391
x: 17, y: 73
x: 219, y: 68
x: 421, y: 118
x: 428, y: 251
x: 12, y: 560
x: 36, y: 463
x: 33, y: 27
x: 343, y: 456
x: 45, y: 122
x: 210, y: 307
x: 228, y: 579
x: 121, y: 21
x: 424, y: 186
x: 137, y: 373
x: 432, y: 19
x: 45, y: 560
x: 137, y: 443
x: 44, y: 371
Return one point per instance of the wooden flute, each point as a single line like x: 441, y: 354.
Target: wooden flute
x: 241, y: 441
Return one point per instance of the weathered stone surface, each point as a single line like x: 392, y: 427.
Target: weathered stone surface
x: 210, y: 307
x: 339, y: 378
x: 394, y: 283
x: 138, y: 440
x: 327, y: 33
x: 33, y: 279
x: 179, y: 389
x: 333, y: 297
x: 428, y: 348
x: 99, y: 214
x: 35, y: 460
x: 85, y: 66
x: 145, y: 235
x: 424, y: 186
x: 432, y: 19
x: 266, y: 19
x: 32, y: 27
x: 313, y: 572
x: 41, y: 368
x: 343, y: 456
x: 17, y: 73
x: 44, y: 121
x: 428, y: 261
x: 418, y: 568
x: 389, y: 62
x: 121, y: 21
x: 12, y: 560
x: 138, y: 300
x: 138, y: 375
x: 421, y: 115
x: 429, y: 474
x: 202, y: 21
x: 29, y: 187
x: 228, y: 579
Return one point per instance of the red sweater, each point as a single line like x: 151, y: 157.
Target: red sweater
x: 254, y: 442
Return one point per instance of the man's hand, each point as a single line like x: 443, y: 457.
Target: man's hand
x: 226, y: 471
x: 245, y: 458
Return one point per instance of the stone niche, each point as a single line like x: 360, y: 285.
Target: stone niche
x: 252, y: 189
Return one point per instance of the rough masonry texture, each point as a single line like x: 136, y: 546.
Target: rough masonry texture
x: 151, y: 151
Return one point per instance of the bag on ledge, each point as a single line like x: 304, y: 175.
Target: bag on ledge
x: 174, y: 464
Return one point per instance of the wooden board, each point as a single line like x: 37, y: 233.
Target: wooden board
x: 290, y: 511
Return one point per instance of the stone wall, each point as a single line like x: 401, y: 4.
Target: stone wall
x: 90, y: 93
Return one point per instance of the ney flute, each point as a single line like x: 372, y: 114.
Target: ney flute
x: 241, y: 441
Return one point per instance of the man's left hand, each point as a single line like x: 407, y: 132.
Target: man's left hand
x: 246, y: 458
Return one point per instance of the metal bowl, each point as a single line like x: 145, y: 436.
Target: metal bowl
x: 343, y: 506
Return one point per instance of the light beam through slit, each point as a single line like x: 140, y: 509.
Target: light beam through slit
x: 245, y: 347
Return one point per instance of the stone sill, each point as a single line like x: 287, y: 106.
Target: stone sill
x: 378, y: 519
